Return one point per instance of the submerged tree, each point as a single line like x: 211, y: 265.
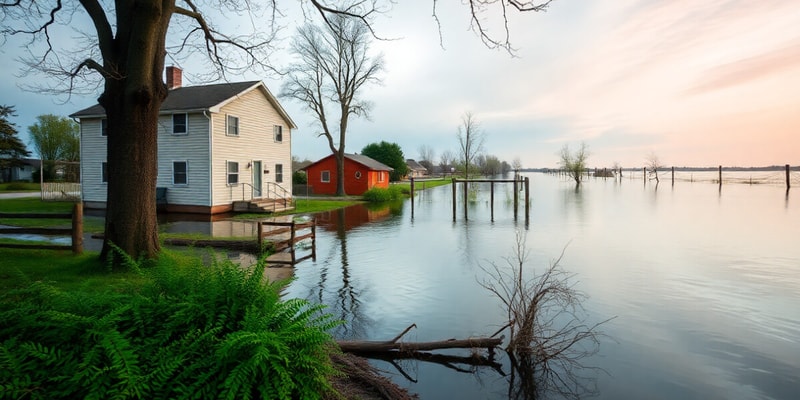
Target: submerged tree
x: 470, y: 141
x: 653, y: 164
x: 574, y: 163
x: 333, y: 68
x: 549, y: 333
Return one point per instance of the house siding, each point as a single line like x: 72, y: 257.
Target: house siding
x: 193, y: 148
x: 255, y: 142
x: 93, y: 153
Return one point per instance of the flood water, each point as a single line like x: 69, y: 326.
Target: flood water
x: 704, y: 284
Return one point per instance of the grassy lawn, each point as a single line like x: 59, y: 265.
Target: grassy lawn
x: 35, y: 205
x: 424, y: 184
x: 61, y: 269
x: 19, y: 187
x: 305, y: 206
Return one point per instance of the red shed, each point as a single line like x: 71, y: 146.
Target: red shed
x: 361, y: 173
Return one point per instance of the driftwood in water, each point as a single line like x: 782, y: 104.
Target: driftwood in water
x: 367, y: 346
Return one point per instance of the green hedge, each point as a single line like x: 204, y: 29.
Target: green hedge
x: 191, y: 331
x: 379, y: 195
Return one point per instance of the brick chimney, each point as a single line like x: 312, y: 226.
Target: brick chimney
x: 174, y: 77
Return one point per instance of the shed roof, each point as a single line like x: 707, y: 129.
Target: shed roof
x: 368, y: 162
x: 415, y: 166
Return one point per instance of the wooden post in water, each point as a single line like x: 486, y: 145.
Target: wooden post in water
x: 620, y: 173
x: 466, y: 193
x: 77, y: 228
x: 673, y: 176
x: 260, y: 235
x: 720, y: 176
x: 454, y: 199
x: 527, y: 200
x: 491, y: 200
x: 314, y: 239
x: 292, y: 236
x: 516, y: 198
x: 788, y: 184
x: 644, y: 173
x: 412, y: 197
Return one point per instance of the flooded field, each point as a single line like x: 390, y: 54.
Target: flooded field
x: 704, y: 284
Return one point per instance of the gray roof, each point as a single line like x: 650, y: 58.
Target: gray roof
x: 369, y: 162
x: 199, y: 98
x: 361, y: 159
x: 415, y: 166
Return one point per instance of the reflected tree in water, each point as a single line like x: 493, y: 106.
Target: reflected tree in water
x: 549, y: 334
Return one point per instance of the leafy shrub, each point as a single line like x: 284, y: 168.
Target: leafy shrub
x: 299, y: 178
x: 379, y: 195
x: 192, y: 331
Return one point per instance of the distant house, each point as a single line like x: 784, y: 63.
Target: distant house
x: 23, y: 171
x: 217, y: 144
x: 415, y: 169
x: 361, y: 173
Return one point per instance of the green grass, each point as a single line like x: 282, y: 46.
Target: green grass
x: 304, y: 206
x: 34, y: 205
x: 19, y: 187
x: 60, y: 269
x: 425, y: 184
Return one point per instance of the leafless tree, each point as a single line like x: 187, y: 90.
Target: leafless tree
x: 516, y: 164
x: 426, y: 156
x: 574, y: 163
x: 333, y: 68
x: 653, y: 164
x: 549, y: 332
x: 446, y: 161
x: 470, y: 141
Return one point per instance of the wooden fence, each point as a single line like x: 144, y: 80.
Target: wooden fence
x: 61, y: 191
x: 76, y: 231
x: 788, y: 176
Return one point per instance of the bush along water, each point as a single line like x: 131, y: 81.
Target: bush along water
x: 191, y: 331
x: 380, y: 195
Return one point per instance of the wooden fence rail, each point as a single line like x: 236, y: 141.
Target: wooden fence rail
x: 76, y: 231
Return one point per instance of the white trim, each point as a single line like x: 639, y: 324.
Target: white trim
x: 277, y: 130
x: 228, y: 173
x: 322, y: 176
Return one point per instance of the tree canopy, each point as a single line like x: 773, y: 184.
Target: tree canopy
x: 574, y: 163
x: 56, y: 138
x: 390, y: 154
x: 11, y: 147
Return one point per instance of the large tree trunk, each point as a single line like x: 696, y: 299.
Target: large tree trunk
x: 132, y: 99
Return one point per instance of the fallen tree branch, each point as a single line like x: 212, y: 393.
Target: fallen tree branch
x: 368, y: 346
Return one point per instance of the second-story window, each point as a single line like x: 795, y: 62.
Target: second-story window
x: 277, y: 130
x: 232, y: 125
x: 179, y: 124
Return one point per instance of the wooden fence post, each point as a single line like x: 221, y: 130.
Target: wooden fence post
x: 673, y: 176
x: 454, y: 199
x: 644, y: 173
x: 788, y: 184
x: 466, y: 194
x: 77, y: 228
x: 720, y: 176
x: 314, y: 239
x: 516, y: 198
x: 260, y: 235
x: 412, y: 197
x: 491, y: 200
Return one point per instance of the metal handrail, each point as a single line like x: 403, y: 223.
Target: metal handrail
x: 252, y: 190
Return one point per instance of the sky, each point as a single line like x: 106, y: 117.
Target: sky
x: 694, y: 82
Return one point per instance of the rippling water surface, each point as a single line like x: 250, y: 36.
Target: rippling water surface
x: 704, y: 283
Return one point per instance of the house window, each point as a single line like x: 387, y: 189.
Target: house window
x: 104, y: 172
x: 180, y: 173
x: 380, y: 176
x: 278, y: 173
x: 233, y: 173
x: 358, y: 174
x: 277, y: 130
x: 326, y: 176
x: 232, y: 124
x: 103, y: 127
x: 179, y: 124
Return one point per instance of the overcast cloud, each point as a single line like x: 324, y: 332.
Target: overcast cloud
x: 698, y: 82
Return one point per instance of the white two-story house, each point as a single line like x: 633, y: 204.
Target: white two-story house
x: 217, y: 145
